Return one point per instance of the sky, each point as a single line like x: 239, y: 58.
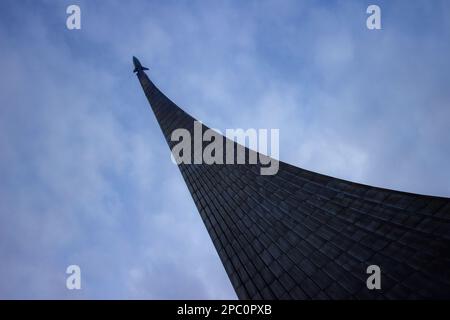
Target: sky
x: 86, y: 176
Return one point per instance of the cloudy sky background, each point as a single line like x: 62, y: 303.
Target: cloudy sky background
x: 86, y: 177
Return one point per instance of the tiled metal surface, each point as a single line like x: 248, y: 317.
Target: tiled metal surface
x: 303, y: 235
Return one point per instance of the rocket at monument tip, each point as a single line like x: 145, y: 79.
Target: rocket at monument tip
x: 137, y: 65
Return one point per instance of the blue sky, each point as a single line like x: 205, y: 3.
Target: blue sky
x: 86, y: 177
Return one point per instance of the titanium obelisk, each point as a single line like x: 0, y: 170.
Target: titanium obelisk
x: 303, y: 235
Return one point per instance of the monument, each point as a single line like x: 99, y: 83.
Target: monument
x: 303, y: 235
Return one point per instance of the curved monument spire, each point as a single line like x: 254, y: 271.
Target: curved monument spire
x: 303, y: 235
